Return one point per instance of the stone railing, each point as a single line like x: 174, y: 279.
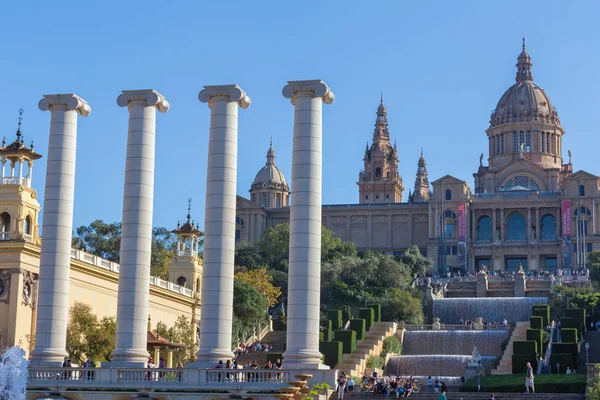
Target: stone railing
x: 156, y: 378
x: 15, y: 180
x: 4, y: 235
x: 114, y: 267
x: 186, y: 253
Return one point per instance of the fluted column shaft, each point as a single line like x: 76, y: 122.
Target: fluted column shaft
x: 136, y: 231
x: 55, y: 259
x: 219, y: 223
x: 304, y: 284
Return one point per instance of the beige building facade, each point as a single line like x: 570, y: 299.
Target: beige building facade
x: 527, y: 206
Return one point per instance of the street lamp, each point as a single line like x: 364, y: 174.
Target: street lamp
x: 587, y: 352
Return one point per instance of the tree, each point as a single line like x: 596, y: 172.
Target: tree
x: 88, y: 337
x: 274, y: 247
x: 401, y: 305
x: 163, y: 251
x: 260, y: 280
x: 182, y: 333
x: 416, y: 262
x: 593, y: 264
x: 248, y: 255
x: 100, y: 239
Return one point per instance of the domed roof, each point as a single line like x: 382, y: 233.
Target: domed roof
x: 524, y: 101
x: 270, y: 175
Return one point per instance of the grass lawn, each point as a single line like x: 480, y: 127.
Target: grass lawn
x: 516, y: 383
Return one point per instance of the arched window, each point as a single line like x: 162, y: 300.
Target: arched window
x: 484, y: 228
x: 448, y: 194
x: 548, y: 227
x: 516, y: 228
x: 377, y: 172
x: 27, y: 225
x: 520, y: 183
x: 449, y: 223
x: 182, y: 281
x: 197, y: 285
x: 4, y: 226
x: 581, y: 190
x: 239, y: 221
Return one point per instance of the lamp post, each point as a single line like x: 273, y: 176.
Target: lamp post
x: 587, y: 352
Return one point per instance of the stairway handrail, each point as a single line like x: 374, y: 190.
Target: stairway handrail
x: 548, y: 353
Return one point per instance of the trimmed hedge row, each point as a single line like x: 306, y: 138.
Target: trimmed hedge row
x: 536, y: 322
x: 360, y: 327
x: 536, y: 335
x: 327, y: 330
x: 569, y: 335
x: 368, y: 314
x: 568, y: 322
x: 516, y: 384
x: 523, y: 352
x: 335, y: 316
x: 348, y: 339
x: 332, y: 353
x: 346, y: 313
x: 567, y: 348
x: 377, y: 310
x: 541, y: 310
x: 579, y: 314
x: 565, y: 360
x: 525, y: 347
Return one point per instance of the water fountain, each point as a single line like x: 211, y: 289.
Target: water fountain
x: 492, y: 309
x: 13, y: 374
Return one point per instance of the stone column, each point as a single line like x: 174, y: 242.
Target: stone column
x: 494, y: 225
x: 305, y: 223
x: 219, y: 223
x: 528, y: 235
x: 502, y: 224
x: 55, y: 260
x: 136, y: 233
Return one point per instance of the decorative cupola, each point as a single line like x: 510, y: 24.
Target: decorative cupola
x: 421, y: 192
x: 270, y: 188
x: 19, y: 208
x: 186, y: 268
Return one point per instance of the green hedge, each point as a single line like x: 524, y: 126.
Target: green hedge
x: 569, y: 335
x: 542, y: 310
x: 536, y: 334
x: 273, y: 357
x: 360, y: 327
x: 346, y: 313
x: 391, y: 344
x: 565, y: 360
x: 516, y: 384
x: 578, y: 313
x: 377, y: 310
x: 526, y: 347
x: 327, y: 330
x: 568, y: 322
x: 332, y: 353
x: 279, y: 324
x: 536, y: 322
x: 567, y: 348
x: 520, y: 361
x: 368, y: 314
x: 321, y: 336
x: 335, y: 316
x: 348, y: 338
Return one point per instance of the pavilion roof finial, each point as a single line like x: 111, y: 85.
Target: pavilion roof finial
x: 19, y: 127
x: 189, y: 214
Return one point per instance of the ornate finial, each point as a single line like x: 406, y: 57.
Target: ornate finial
x: 178, y: 224
x: 421, y: 150
x: 271, y: 142
x: 381, y: 97
x: 31, y: 146
x: 19, y: 127
x: 189, y: 209
x: 523, y: 42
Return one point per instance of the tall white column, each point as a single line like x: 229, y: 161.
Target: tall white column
x: 55, y: 259
x: 304, y: 282
x: 136, y: 234
x: 219, y: 223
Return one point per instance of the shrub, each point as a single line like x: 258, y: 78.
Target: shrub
x: 391, y: 344
x: 326, y: 328
x: 569, y: 335
x: 368, y: 315
x: 577, y: 313
x: 335, y: 316
x: 377, y: 310
x: 360, y: 327
x: 348, y: 339
x: 568, y: 322
x: 346, y: 313
x: 536, y: 335
x: 375, y: 362
x: 593, y: 390
x: 525, y: 347
x: 519, y: 362
x: 321, y: 336
x: 332, y: 353
x: 567, y: 348
x: 565, y: 360
x: 536, y: 322
x: 542, y: 310
x: 516, y: 384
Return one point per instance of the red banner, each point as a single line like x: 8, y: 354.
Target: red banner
x: 462, y: 222
x: 566, y: 217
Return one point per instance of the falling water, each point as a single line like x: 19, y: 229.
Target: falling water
x: 451, y: 311
x: 453, y: 342
x: 434, y: 365
x: 13, y: 374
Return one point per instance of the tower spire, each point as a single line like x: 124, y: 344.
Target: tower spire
x: 189, y: 214
x: 19, y: 135
x: 524, y: 66
x: 421, y: 192
x: 271, y: 153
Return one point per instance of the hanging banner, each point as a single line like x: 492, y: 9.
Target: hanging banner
x: 462, y: 222
x: 566, y: 217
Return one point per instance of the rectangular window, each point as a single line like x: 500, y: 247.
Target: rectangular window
x: 454, y: 250
x: 449, y: 230
x: 589, y: 247
x: 521, y: 138
x: 448, y: 250
x: 515, y: 141
x: 502, y: 143
x: 528, y: 141
x: 387, y: 196
x: 543, y: 142
x: 376, y: 196
x: 497, y: 144
x: 548, y: 150
x: 366, y: 197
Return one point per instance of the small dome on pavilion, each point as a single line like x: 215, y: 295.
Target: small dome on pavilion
x: 270, y: 175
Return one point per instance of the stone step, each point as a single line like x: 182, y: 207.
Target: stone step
x: 454, y: 394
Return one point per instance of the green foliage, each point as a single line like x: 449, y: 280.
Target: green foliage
x: 88, y: 336
x: 335, y: 316
x: 586, y: 296
x: 567, y: 348
x: 368, y: 315
x: 316, y: 390
x: 536, y: 322
x: 249, y: 307
x: 332, y: 353
x: 401, y: 305
x: 391, y: 344
x: 360, y: 327
x: 181, y: 332
x: 516, y: 384
x: 593, y: 389
x: 327, y: 329
x: 519, y: 363
x: 377, y: 310
x: 346, y: 313
x: 563, y: 359
x: 526, y: 347
x: 569, y: 335
x: 163, y: 250
x: 536, y: 335
x: 416, y: 262
x: 348, y: 339
x: 593, y: 264
x: 375, y: 362
x: 579, y: 314
x: 541, y: 310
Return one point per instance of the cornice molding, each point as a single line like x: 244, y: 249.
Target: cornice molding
x: 69, y: 102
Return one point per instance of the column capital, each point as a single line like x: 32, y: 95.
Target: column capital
x: 310, y: 88
x: 69, y: 101
x: 228, y: 93
x: 150, y: 96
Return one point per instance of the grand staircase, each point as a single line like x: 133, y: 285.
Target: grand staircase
x: 505, y: 365
x: 452, y: 395
x: 275, y: 339
x: 354, y: 364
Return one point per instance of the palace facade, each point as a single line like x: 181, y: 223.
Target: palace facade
x: 527, y: 205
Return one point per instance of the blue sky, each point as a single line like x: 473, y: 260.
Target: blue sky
x: 442, y: 67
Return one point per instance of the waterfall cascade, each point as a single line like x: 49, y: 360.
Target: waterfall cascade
x: 493, y: 309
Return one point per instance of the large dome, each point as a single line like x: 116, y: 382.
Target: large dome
x: 270, y: 175
x: 524, y: 101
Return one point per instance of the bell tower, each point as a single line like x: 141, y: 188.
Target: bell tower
x: 186, y: 267
x: 19, y: 208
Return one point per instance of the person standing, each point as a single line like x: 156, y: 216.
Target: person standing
x: 341, y: 385
x: 350, y: 384
x: 529, y: 380
x: 442, y: 396
x: 430, y: 384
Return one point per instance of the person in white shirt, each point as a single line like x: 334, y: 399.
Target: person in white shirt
x: 569, y: 372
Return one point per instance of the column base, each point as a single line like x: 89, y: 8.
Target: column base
x: 300, y: 360
x: 210, y: 359
x: 128, y: 359
x: 48, y: 357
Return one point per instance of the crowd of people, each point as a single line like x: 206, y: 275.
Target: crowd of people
x: 256, y: 347
x: 398, y: 386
